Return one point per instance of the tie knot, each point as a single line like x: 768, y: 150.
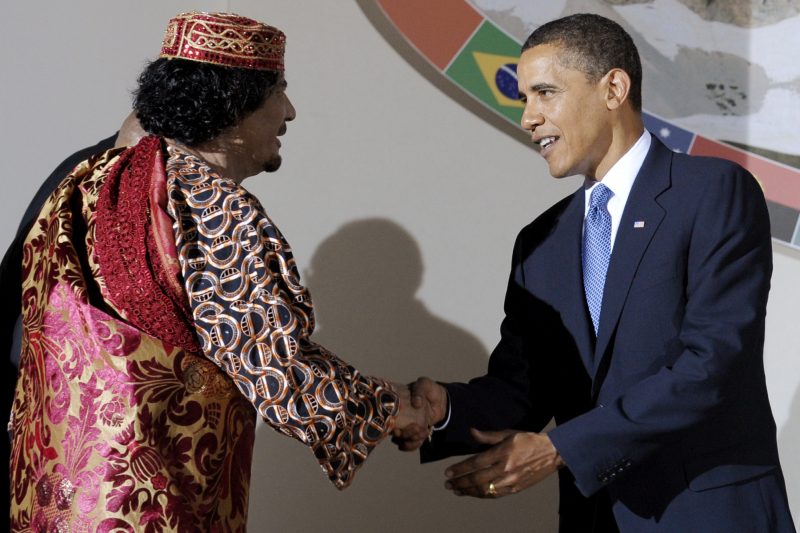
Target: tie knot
x: 600, y: 196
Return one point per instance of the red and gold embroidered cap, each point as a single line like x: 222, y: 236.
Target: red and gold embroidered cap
x: 224, y: 39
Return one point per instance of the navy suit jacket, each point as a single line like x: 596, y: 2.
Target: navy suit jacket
x: 665, y: 413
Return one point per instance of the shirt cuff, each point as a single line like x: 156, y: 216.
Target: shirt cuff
x: 446, y: 421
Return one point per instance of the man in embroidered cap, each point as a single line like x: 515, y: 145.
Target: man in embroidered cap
x: 163, y: 311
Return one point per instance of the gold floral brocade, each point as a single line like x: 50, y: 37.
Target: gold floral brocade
x: 118, y: 426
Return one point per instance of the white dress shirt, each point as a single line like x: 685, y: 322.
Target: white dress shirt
x: 619, y: 179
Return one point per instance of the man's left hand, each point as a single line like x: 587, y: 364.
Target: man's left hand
x: 516, y: 461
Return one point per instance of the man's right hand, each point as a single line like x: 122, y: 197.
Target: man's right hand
x: 431, y: 397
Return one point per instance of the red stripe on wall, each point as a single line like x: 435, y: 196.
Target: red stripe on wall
x: 437, y: 28
x: 781, y: 183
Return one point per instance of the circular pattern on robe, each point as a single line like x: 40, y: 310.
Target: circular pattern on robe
x: 254, y: 323
x: 231, y: 361
x: 320, y: 429
x: 204, y: 194
x: 276, y: 414
x: 187, y: 227
x: 272, y: 386
x: 255, y: 270
x: 232, y: 284
x: 207, y: 311
x: 300, y: 375
x: 247, y: 237
x: 195, y: 256
x: 245, y: 386
x: 225, y: 333
x: 256, y: 356
x: 224, y: 252
x: 213, y: 221
x: 202, y: 286
x: 330, y: 395
x: 279, y: 316
x: 284, y: 347
x: 254, y: 319
x: 239, y: 208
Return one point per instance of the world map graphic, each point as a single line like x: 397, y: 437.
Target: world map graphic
x: 718, y: 76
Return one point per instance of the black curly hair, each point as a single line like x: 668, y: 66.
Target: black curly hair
x: 594, y: 45
x: 192, y: 102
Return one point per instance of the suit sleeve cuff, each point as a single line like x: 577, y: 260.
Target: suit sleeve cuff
x: 584, y: 461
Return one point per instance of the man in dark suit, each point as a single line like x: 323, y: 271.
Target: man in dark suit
x: 634, y: 316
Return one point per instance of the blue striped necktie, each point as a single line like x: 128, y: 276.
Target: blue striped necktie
x: 596, y: 250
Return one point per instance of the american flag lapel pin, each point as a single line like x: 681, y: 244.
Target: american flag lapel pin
x: 638, y: 224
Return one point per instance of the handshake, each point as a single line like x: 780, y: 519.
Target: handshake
x: 511, y: 461
x: 422, y: 405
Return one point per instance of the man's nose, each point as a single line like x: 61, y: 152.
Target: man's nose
x: 291, y: 113
x: 531, y: 118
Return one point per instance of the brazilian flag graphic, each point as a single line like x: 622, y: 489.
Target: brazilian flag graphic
x: 486, y: 67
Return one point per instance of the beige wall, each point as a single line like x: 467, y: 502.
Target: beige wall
x: 402, y: 208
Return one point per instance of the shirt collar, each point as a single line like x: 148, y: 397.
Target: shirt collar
x: 622, y: 174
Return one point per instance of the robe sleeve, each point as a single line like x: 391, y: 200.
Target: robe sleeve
x: 254, y: 319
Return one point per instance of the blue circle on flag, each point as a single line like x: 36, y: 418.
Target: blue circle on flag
x: 506, y: 80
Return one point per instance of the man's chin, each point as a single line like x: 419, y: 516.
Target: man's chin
x: 273, y: 164
x: 559, y: 172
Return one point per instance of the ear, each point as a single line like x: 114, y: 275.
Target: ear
x: 618, y: 86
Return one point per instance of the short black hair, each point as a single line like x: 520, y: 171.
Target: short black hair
x: 594, y: 45
x: 193, y: 102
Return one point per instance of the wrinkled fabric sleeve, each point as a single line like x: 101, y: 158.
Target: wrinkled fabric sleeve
x: 254, y: 320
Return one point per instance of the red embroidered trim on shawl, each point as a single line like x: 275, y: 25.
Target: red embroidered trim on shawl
x: 129, y: 259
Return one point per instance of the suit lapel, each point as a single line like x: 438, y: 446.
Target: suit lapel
x: 569, y: 276
x: 640, y: 220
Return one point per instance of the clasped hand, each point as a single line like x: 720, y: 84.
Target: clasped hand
x: 423, y: 404
x: 413, y: 423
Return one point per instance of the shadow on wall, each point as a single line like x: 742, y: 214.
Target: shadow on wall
x: 789, y: 443
x: 364, y: 279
